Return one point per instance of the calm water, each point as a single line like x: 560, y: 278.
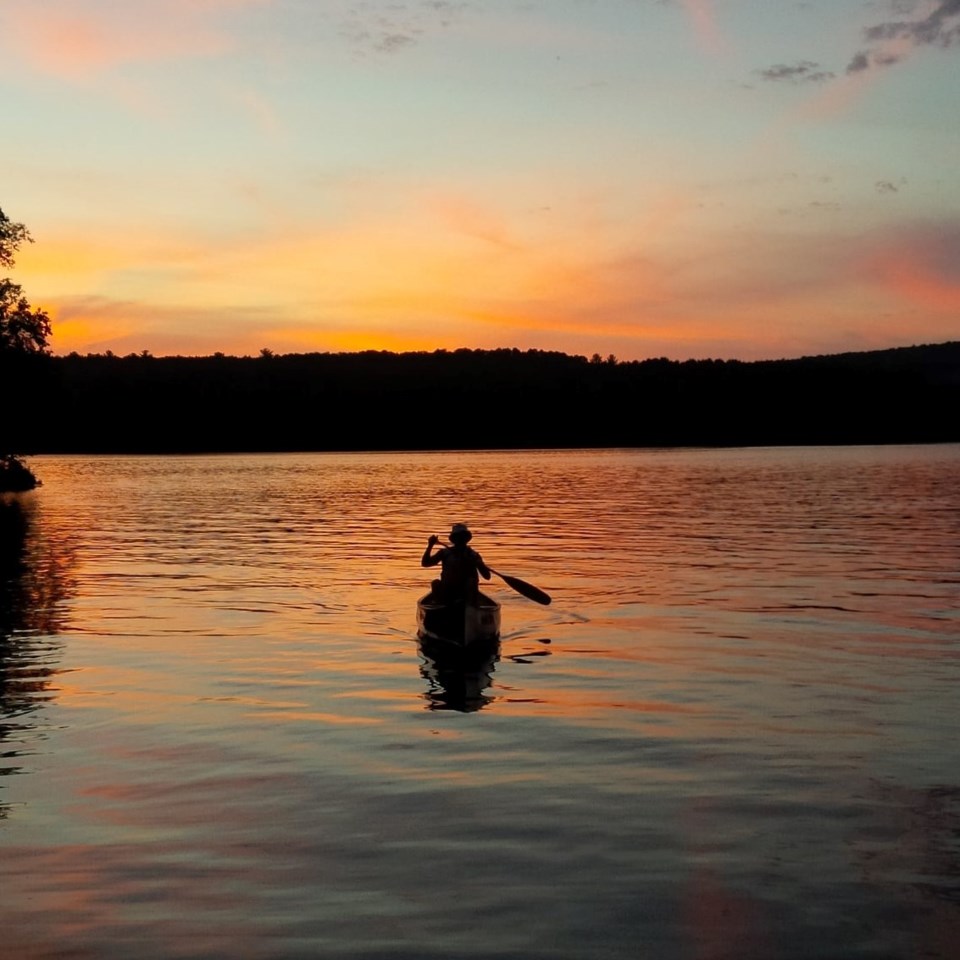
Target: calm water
x: 734, y: 733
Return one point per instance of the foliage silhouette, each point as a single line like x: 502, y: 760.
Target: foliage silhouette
x: 466, y: 399
x: 24, y: 332
x: 22, y: 328
x: 461, y: 399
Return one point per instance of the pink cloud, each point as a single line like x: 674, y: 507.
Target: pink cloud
x: 703, y: 16
x: 920, y: 266
x: 78, y: 38
x: 463, y: 215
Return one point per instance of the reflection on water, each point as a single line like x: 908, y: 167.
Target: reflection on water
x: 34, y: 578
x: 458, y: 677
x: 733, y: 734
x: 461, y: 679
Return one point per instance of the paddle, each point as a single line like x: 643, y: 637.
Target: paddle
x: 521, y: 586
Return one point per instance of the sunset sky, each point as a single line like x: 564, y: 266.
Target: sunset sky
x: 680, y: 178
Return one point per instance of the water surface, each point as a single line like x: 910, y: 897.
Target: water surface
x: 734, y: 732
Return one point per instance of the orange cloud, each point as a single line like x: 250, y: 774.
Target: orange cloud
x: 74, y: 258
x: 410, y: 270
x: 80, y: 333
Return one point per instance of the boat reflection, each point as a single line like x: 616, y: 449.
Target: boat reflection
x: 458, y: 677
x: 35, y: 577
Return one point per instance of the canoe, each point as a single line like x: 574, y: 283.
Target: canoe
x: 463, y: 624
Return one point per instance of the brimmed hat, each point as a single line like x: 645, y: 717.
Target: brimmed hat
x: 460, y: 530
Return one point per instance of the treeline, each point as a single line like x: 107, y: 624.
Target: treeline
x: 472, y: 399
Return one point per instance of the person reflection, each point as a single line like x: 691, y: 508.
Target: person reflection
x: 33, y: 578
x: 458, y: 678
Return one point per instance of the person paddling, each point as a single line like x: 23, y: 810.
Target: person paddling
x: 461, y: 567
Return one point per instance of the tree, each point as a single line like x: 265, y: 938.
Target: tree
x: 12, y: 237
x: 24, y: 332
x: 22, y: 328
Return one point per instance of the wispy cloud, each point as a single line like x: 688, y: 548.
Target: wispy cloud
x: 389, y: 27
x: 936, y: 24
x: 802, y: 71
x: 737, y: 298
x: 924, y: 23
x: 76, y: 39
x: 890, y: 186
x: 921, y: 264
x: 703, y: 16
x: 80, y: 39
x: 93, y: 324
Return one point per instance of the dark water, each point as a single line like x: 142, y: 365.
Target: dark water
x: 733, y: 734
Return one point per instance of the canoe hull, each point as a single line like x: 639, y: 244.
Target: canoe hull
x: 461, y: 624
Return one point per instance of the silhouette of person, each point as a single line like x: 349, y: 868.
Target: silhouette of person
x: 461, y: 567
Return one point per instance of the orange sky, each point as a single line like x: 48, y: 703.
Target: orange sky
x: 684, y: 179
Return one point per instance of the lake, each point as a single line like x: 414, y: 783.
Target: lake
x: 734, y: 732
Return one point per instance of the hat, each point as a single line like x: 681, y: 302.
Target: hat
x: 460, y: 530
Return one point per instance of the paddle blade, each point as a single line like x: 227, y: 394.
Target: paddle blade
x: 527, y: 589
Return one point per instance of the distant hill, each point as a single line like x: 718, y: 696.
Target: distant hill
x: 474, y: 399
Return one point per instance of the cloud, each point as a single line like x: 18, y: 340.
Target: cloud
x: 940, y: 28
x: 890, y: 186
x: 759, y: 294
x: 937, y: 25
x: 390, y: 27
x: 82, y: 39
x: 803, y: 71
x: 94, y: 323
x: 925, y: 23
x: 921, y: 265
x: 74, y: 39
x: 466, y: 217
x: 703, y: 16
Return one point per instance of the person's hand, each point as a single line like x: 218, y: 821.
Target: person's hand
x: 432, y: 540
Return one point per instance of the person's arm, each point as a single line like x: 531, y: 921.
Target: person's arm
x: 483, y: 569
x: 431, y: 559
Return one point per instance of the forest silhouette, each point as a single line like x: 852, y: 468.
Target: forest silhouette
x: 470, y: 399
